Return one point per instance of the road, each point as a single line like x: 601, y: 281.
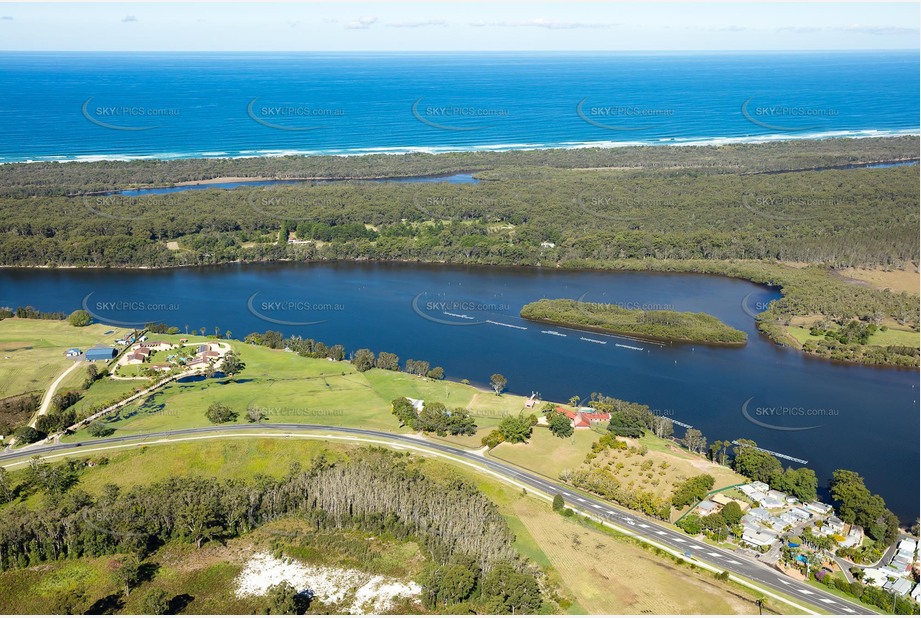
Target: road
x: 650, y: 531
x: 49, y: 394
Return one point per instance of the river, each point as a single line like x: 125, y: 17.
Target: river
x: 466, y: 319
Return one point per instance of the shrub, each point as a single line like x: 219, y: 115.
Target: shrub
x: 219, y: 413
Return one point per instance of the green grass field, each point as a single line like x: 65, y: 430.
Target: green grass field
x: 593, y: 571
x: 293, y: 389
x: 891, y: 336
x: 32, y: 352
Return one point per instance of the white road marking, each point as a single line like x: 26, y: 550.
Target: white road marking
x: 849, y: 610
x: 829, y: 601
x: 730, y: 561
x: 804, y: 591
x: 714, y: 554
x: 642, y: 525
x: 581, y: 499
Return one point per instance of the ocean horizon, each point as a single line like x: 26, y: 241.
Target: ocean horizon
x: 117, y: 106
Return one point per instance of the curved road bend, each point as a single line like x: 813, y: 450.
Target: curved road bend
x: 646, y: 530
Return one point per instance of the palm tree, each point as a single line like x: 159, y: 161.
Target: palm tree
x: 760, y: 601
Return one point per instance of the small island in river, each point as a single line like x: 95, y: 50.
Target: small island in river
x: 660, y: 325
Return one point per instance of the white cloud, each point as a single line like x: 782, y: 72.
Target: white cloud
x: 540, y: 22
x: 878, y: 30
x: 799, y: 29
x: 362, y: 23
x: 417, y: 24
x: 128, y: 19
x: 6, y: 18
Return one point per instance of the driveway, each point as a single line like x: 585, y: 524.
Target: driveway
x: 49, y: 394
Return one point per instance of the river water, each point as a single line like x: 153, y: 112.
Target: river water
x: 466, y: 319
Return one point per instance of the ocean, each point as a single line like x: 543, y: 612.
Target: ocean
x: 93, y: 106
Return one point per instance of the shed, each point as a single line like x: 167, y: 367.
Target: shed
x: 100, y: 353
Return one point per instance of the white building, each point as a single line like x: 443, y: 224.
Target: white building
x: 758, y: 536
x: 900, y: 587
x: 819, y: 507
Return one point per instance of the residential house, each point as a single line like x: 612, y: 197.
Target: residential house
x: 795, y: 516
x: 723, y: 500
x: 834, y: 524
x: 853, y: 538
x: 773, y: 499
x: 758, y: 537
x: 900, y: 587
x: 875, y: 577
x: 584, y: 418
x: 707, y: 507
x: 788, y: 518
x: 74, y: 352
x: 819, y: 507
x: 417, y: 404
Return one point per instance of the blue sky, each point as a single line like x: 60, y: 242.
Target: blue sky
x: 492, y: 26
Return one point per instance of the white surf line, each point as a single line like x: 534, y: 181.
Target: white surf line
x: 458, y: 315
x: 629, y: 347
x: 505, y: 479
x: 593, y: 340
x: 506, y: 325
x: 614, y: 336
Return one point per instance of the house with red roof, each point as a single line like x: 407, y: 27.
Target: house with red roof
x: 584, y: 418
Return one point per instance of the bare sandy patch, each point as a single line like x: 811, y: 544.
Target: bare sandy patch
x: 354, y: 591
x: 894, y: 280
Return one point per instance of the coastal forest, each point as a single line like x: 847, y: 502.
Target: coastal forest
x: 783, y: 214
